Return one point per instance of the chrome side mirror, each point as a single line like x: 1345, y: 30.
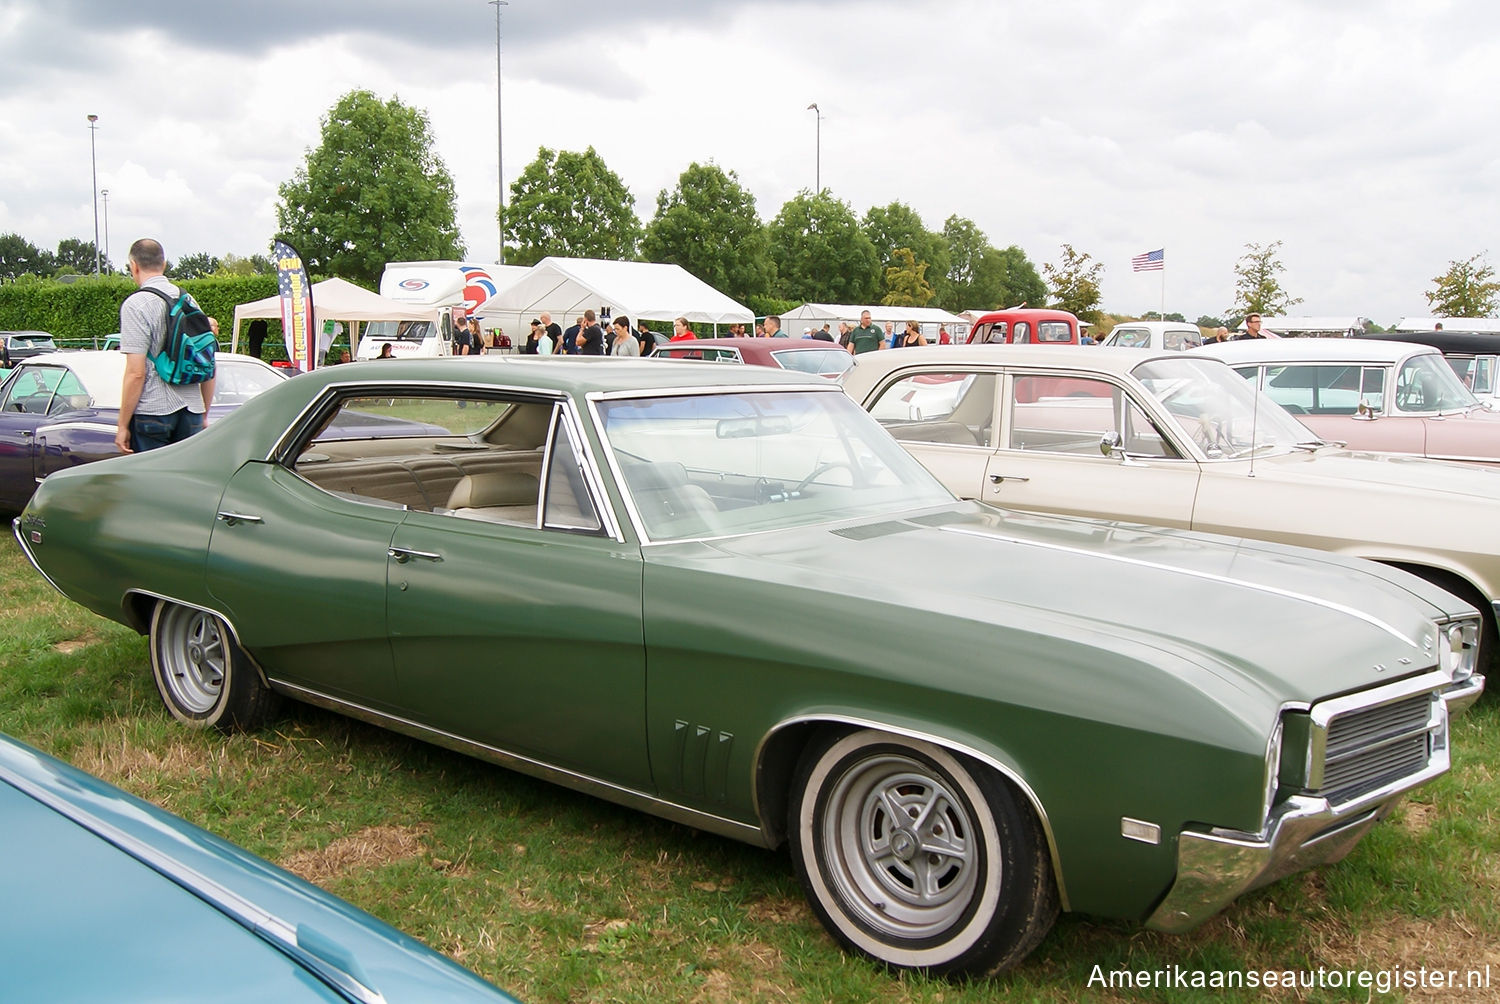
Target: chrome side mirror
x: 1364, y: 411
x: 1109, y: 443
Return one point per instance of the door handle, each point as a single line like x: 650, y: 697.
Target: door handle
x: 995, y: 479
x: 231, y: 518
x: 405, y: 554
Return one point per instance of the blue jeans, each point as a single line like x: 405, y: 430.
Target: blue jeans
x: 148, y: 432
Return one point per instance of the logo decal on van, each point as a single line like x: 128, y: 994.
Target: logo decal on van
x: 478, y: 287
x: 414, y: 284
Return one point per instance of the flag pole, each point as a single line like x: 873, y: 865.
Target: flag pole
x: 1164, y: 285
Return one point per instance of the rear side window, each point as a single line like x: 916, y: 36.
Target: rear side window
x: 1021, y: 332
x: 1054, y: 331
x: 1324, y: 388
x: 954, y: 409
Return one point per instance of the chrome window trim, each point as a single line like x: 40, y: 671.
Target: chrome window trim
x: 732, y: 353
x: 1009, y: 773
x: 562, y: 776
x: 566, y: 418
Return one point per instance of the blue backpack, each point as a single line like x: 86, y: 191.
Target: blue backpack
x: 187, y: 353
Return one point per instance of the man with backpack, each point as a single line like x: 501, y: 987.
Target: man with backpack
x: 169, y: 358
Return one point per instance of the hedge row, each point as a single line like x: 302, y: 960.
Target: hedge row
x: 79, y: 314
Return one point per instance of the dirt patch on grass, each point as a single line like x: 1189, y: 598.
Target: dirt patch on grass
x: 371, y: 847
x: 1447, y: 943
x: 780, y: 910
x: 743, y: 971
x: 72, y: 645
x: 1416, y: 817
x: 129, y: 762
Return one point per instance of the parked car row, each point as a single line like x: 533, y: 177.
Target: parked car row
x: 1011, y: 715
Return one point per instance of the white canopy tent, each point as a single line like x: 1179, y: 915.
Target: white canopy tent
x: 1486, y: 324
x: 566, y: 287
x: 336, y: 300
x: 930, y: 318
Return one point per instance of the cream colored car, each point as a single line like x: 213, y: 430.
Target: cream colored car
x: 1179, y: 440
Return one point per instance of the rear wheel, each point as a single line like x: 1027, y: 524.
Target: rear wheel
x: 918, y: 858
x: 204, y: 678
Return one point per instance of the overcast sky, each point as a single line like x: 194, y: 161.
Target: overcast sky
x: 1361, y: 133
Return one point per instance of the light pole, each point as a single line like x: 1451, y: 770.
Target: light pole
x: 499, y: 129
x: 818, y: 177
x: 94, y: 171
x: 105, y: 193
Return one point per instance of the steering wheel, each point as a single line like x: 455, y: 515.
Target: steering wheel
x: 824, y: 468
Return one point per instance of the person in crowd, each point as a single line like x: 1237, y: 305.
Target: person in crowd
x: 343, y: 356
x: 569, y: 343
x: 807, y: 333
x: 823, y: 334
x: 532, y: 345
x: 1252, y: 329
x: 554, y: 331
x: 911, y: 337
x: 943, y: 337
x: 1216, y: 335
x: 681, y: 332
x: 644, y: 336
x: 153, y: 412
x: 257, y: 337
x: 590, y: 335
x: 772, y: 326
x: 890, y: 334
x: 476, y: 338
x: 385, y: 352
x: 460, y: 333
x: 866, y: 337
x: 625, y: 343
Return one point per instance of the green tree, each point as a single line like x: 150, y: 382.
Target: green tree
x: 1467, y: 289
x: 1007, y: 278
x: 234, y: 265
x: 966, y: 247
x: 372, y: 192
x: 18, y: 257
x: 1204, y: 321
x: 197, y: 265
x: 570, y: 205
x: 906, y: 283
x: 77, y: 256
x: 709, y: 226
x: 821, y: 254
x: 896, y: 226
x: 1257, y: 282
x: 1074, y: 282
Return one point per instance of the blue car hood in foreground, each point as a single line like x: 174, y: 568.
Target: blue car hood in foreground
x: 106, y: 897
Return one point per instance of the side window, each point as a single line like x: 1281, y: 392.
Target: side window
x: 1021, y: 332
x: 567, y: 505
x: 473, y: 457
x: 31, y: 389
x: 1054, y: 331
x: 71, y: 395
x: 1328, y: 389
x: 1132, y: 338
x: 951, y: 408
x: 1372, y: 387
x: 1484, y: 375
x: 991, y: 334
x: 1061, y: 414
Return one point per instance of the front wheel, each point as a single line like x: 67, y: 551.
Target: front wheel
x: 204, y: 678
x: 918, y: 858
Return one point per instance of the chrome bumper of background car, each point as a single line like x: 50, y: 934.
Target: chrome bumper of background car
x: 1216, y: 866
x: 1461, y: 695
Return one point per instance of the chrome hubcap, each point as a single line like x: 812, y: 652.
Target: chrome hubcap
x: 192, y: 650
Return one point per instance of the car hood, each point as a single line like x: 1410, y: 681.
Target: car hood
x: 1233, y: 606
x: 108, y: 897
x: 1387, y: 470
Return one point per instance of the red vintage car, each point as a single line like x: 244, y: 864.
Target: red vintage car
x: 801, y: 355
x: 1025, y: 325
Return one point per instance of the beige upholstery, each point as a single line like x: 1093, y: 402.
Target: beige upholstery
x: 501, y: 496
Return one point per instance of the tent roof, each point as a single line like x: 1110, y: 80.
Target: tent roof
x: 340, y: 300
x: 651, y: 291
x: 878, y: 312
x: 1448, y: 323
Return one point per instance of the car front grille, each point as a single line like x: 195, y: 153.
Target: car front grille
x: 1364, y: 749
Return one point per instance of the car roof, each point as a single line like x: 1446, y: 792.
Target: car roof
x: 769, y: 344
x: 568, y: 374
x: 1344, y: 350
x: 103, y: 370
x: 1094, y: 357
x: 1157, y: 326
x: 28, y: 334
x: 1477, y: 342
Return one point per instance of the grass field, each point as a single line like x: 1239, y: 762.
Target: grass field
x: 559, y: 897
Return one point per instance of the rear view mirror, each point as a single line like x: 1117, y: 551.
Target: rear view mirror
x: 1109, y: 443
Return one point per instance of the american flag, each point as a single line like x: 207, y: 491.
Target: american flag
x: 1149, y: 261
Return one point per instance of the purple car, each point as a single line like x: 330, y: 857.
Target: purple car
x: 800, y: 355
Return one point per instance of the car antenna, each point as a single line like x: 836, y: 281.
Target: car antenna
x: 1254, y: 418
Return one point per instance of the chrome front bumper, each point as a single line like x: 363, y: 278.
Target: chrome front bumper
x: 1215, y: 866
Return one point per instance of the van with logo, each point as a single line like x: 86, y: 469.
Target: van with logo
x: 453, y: 289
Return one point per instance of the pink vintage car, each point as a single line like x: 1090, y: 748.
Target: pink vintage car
x: 1372, y: 394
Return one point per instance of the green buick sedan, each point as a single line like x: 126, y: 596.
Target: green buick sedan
x: 741, y: 605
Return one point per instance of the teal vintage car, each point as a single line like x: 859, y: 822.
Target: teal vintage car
x: 108, y: 897
x: 741, y: 605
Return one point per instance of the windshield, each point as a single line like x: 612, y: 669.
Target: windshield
x: 823, y: 362
x: 1218, y: 410
x: 718, y: 464
x: 397, y: 331
x: 236, y: 382
x: 1427, y: 383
